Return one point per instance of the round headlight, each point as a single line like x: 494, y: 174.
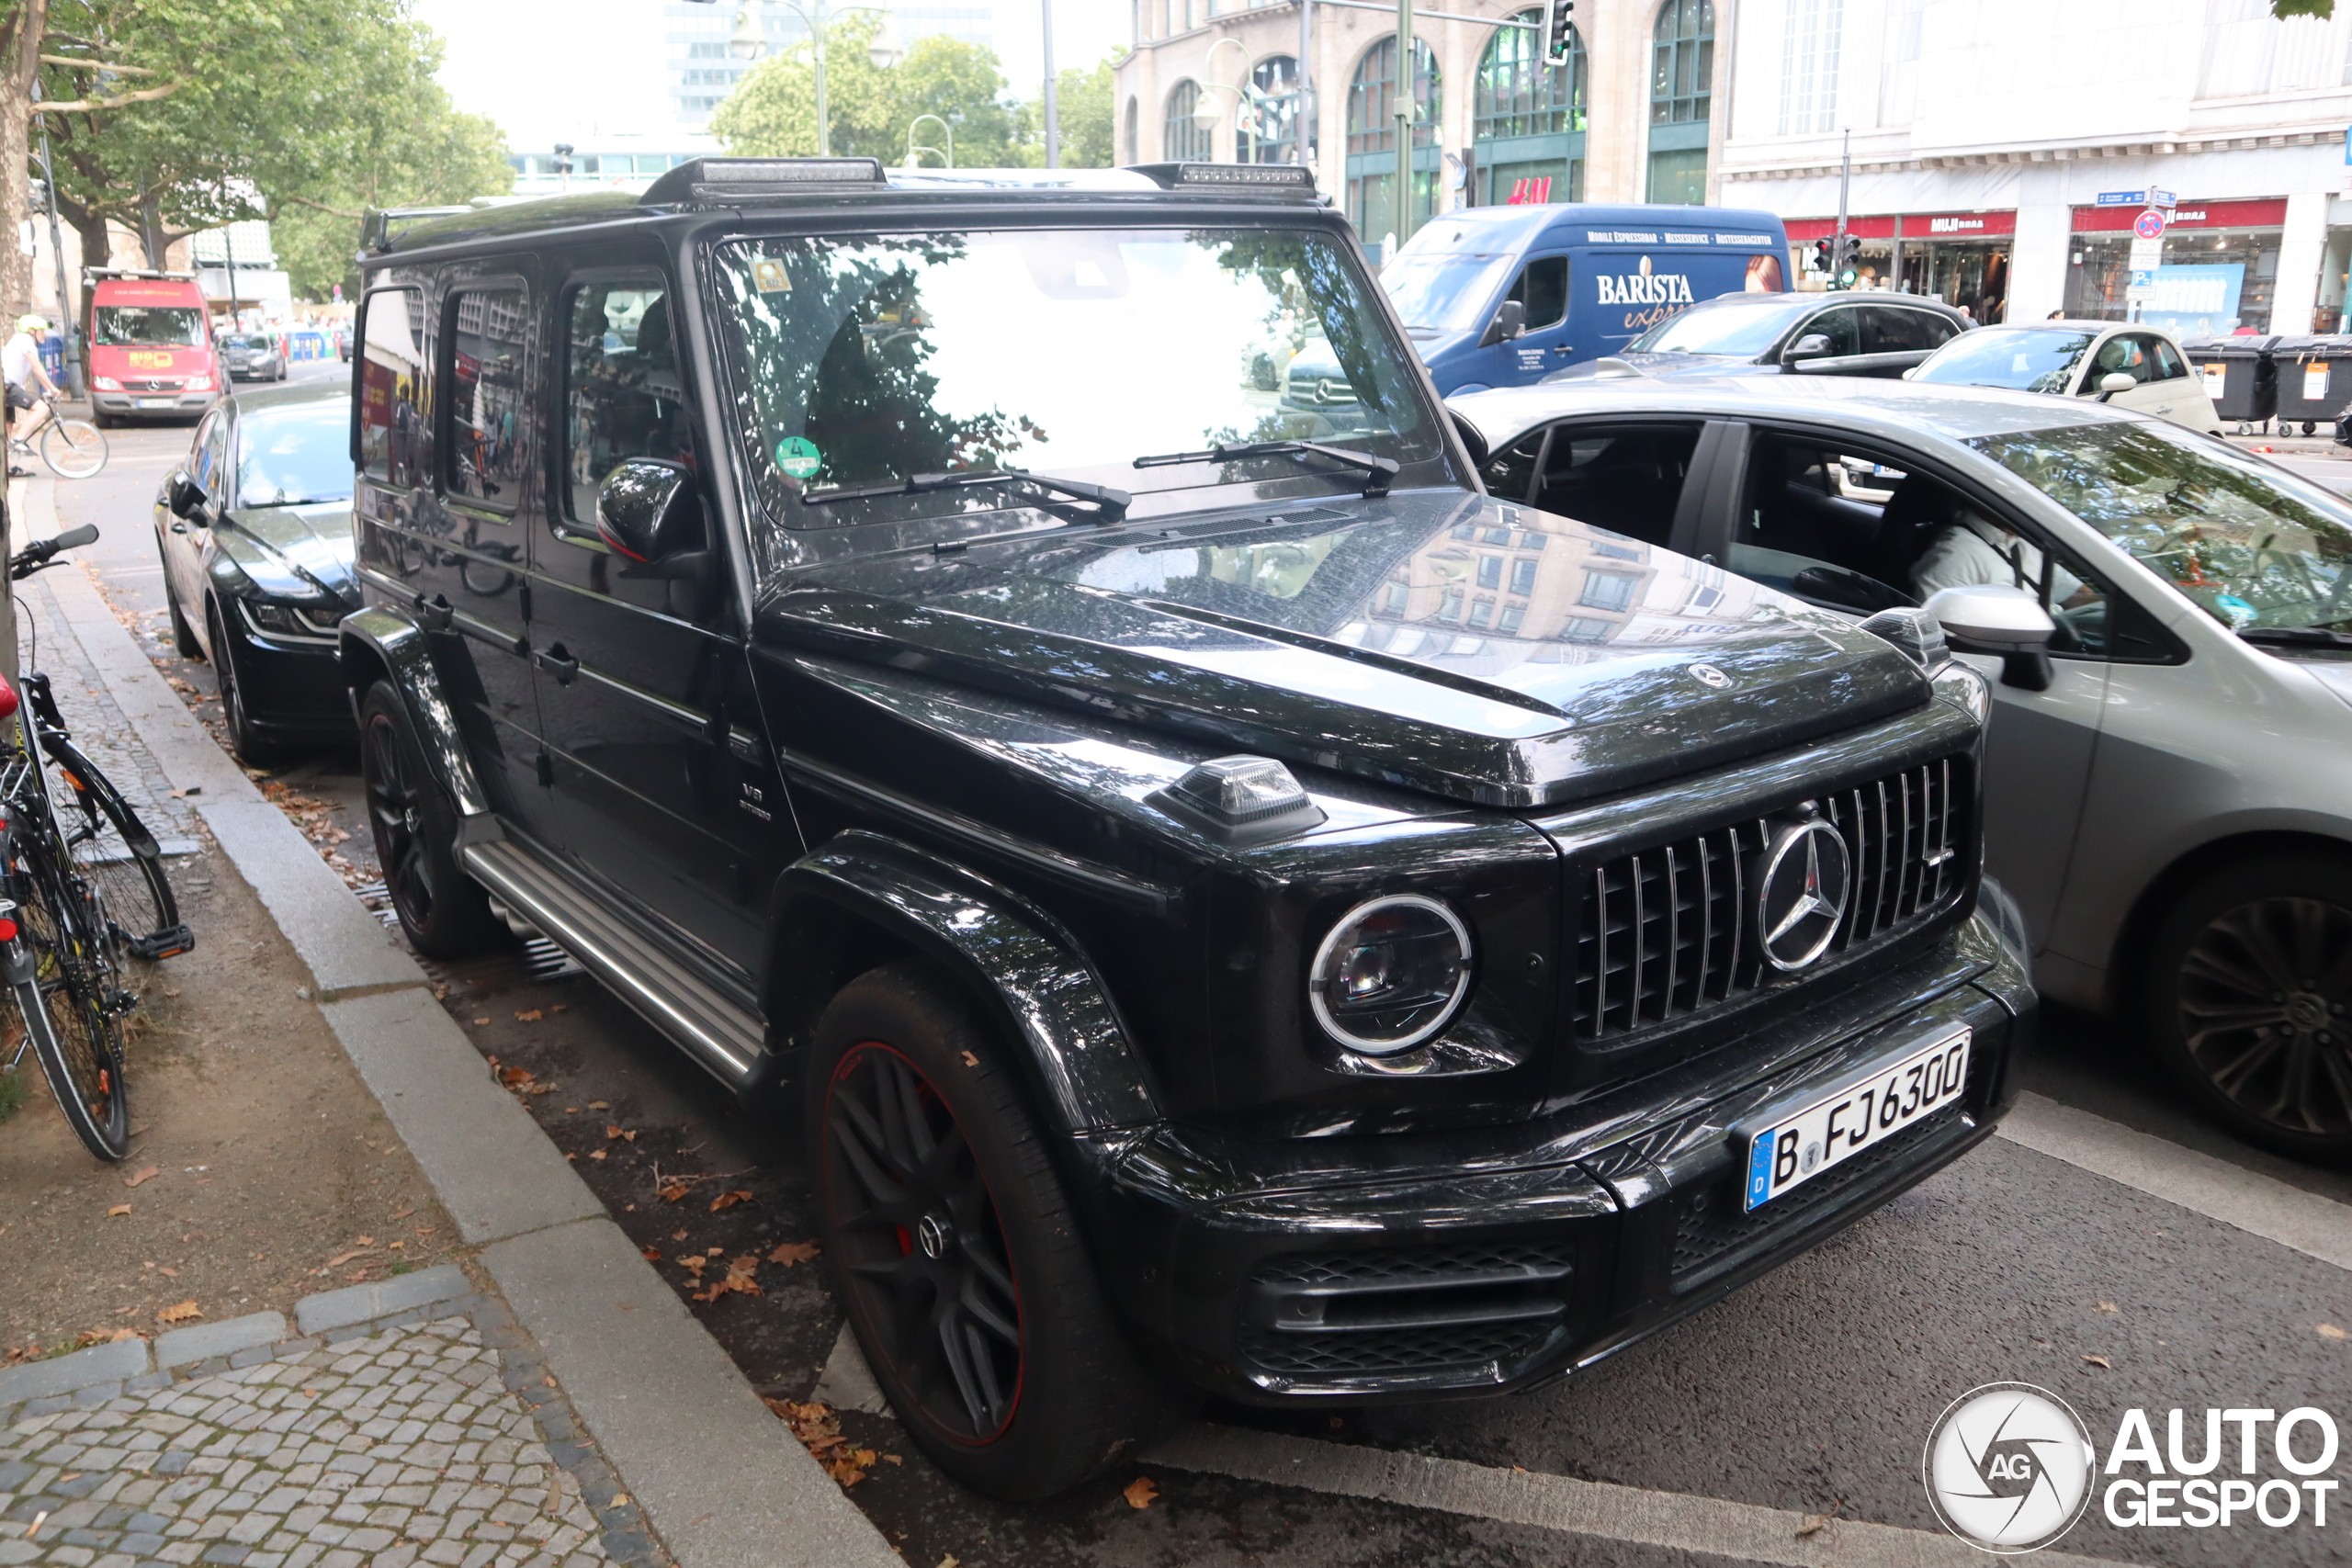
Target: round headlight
x: 1391, y: 972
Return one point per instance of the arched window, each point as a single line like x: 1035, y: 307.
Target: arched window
x: 1270, y: 117
x: 1371, y: 138
x: 1682, y: 66
x: 1528, y: 118
x: 1184, y: 139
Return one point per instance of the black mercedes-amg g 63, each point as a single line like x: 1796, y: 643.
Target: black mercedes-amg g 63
x: 1224, y: 902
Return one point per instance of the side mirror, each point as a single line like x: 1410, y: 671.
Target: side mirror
x: 646, y: 508
x: 184, y: 498
x: 2114, y: 381
x: 2009, y: 623
x: 1813, y: 345
x: 1511, y: 322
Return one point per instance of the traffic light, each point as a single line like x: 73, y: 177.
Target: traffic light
x: 1821, y: 257
x: 1556, y: 29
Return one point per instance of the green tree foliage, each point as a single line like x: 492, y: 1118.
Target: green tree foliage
x: 260, y: 108
x: 1082, y: 103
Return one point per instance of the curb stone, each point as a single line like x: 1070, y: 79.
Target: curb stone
x: 779, y: 1508
x: 69, y: 1373
x: 205, y: 1340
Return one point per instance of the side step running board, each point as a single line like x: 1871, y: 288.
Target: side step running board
x: 726, y: 1040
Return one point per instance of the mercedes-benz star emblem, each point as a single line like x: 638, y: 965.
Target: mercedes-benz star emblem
x: 1708, y: 676
x: 1801, y: 897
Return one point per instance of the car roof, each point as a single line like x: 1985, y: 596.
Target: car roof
x: 1893, y: 411
x: 253, y: 400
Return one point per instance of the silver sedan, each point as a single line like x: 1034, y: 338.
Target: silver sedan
x: 2169, y: 789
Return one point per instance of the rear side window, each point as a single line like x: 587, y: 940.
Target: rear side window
x: 1898, y: 328
x: 482, y: 367
x: 395, y: 343
x: 623, y: 396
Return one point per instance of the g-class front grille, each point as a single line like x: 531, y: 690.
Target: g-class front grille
x: 1403, y: 1311
x: 1668, y: 932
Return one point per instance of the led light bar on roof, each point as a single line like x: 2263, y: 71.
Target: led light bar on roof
x: 729, y: 179
x: 1199, y: 176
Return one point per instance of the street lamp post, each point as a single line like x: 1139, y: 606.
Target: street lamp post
x: 1405, y: 85
x: 1053, y: 101
x: 915, y: 161
x: 750, y: 41
x: 1206, y: 114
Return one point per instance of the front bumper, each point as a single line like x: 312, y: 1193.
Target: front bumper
x: 293, y: 687
x: 1438, y: 1265
x: 153, y: 405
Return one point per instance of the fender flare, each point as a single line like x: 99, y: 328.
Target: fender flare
x: 378, y: 644
x: 1077, y: 1050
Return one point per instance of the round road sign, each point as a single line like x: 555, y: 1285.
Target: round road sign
x: 2149, y: 225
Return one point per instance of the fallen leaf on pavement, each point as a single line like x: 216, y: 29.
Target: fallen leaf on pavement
x: 672, y: 1191
x: 481, y: 1020
x: 515, y: 1077
x: 185, y: 1312
x: 949, y: 1561
x: 729, y: 1200
x: 970, y: 1060
x: 2106, y: 1306
x: 652, y: 1254
x: 2329, y: 1331
x: 791, y: 1252
x: 599, y: 1105
x: 678, y: 1235
x: 339, y: 1258
x: 404, y: 1214
x: 1140, y: 1492
x: 531, y: 1017
x: 596, y: 1153
x: 149, y: 1174
x: 168, y: 1272
x: 738, y: 1278
x: 104, y: 1336
x: 2100, y: 1361
x: 620, y: 1499
x: 184, y: 793
x: 625, y: 1133
x: 819, y: 1431
x: 117, y: 1209
x: 694, y: 1263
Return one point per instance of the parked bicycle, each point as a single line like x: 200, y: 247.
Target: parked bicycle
x: 82, y: 888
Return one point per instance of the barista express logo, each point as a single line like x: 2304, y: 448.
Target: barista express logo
x: 1645, y: 287
x: 2009, y: 1467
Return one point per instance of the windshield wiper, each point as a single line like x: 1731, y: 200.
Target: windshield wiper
x: 1113, y: 502
x: 2297, y: 636
x: 1377, y: 471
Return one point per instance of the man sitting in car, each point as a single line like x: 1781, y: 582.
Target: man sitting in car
x: 1972, y: 549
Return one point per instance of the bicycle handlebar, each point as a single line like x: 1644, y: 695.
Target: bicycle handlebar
x: 40, y: 553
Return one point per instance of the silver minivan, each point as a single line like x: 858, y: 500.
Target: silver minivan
x: 2165, y: 625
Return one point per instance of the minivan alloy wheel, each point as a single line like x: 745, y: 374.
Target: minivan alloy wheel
x: 2266, y: 1011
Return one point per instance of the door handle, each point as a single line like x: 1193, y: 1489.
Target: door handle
x: 557, y: 663
x: 1563, y: 348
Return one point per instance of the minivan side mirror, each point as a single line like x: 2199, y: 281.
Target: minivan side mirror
x: 2115, y: 381
x: 2009, y: 623
x: 184, y: 498
x: 1813, y: 345
x: 648, y: 508
x: 1511, y: 322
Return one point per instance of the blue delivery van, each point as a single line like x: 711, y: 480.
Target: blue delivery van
x: 1587, y: 280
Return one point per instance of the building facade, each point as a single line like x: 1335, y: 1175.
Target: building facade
x: 1633, y: 114
x: 2002, y: 151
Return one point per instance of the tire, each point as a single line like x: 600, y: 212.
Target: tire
x: 66, y: 1005
x: 2268, y: 943
x: 943, y: 1224
x: 74, y: 448
x: 443, y: 912
x: 249, y: 743
x: 183, y: 640
x: 102, y: 418
x: 112, y: 849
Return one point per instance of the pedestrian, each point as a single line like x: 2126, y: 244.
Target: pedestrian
x: 28, y: 386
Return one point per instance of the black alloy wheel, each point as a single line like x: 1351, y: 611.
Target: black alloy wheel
x: 2251, y: 1000
x: 244, y: 739
x: 956, y: 1250
x: 184, y: 641
x: 443, y: 912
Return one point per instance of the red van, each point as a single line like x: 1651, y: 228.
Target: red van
x: 152, y: 355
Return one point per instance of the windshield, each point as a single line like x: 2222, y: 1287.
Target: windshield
x: 869, y: 360
x: 1444, y: 293
x: 150, y: 326
x: 2023, y: 360
x: 244, y: 342
x: 2252, y: 545
x: 289, y: 455
x: 1742, y: 329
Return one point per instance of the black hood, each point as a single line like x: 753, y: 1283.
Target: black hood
x: 1370, y: 637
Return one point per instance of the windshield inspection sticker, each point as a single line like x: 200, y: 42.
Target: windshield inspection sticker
x: 796, y: 456
x: 769, y: 278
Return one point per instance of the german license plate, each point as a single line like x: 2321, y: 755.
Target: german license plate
x: 156, y: 402
x: 1799, y: 1147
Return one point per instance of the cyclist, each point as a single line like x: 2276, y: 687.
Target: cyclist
x: 29, y: 387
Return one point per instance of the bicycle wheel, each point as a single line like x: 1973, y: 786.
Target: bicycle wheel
x: 115, y: 853
x: 68, y: 1002
x: 74, y: 448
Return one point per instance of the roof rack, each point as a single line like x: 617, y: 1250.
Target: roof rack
x: 380, y: 225
x: 700, y: 180
x: 1276, y: 179
x: 95, y: 273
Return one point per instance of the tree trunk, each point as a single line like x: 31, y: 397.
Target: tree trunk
x: 20, y: 36
x: 97, y: 240
x: 151, y: 228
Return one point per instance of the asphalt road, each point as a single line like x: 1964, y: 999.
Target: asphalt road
x: 1810, y: 1392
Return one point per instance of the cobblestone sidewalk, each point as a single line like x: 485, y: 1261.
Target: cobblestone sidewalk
x: 407, y: 1446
